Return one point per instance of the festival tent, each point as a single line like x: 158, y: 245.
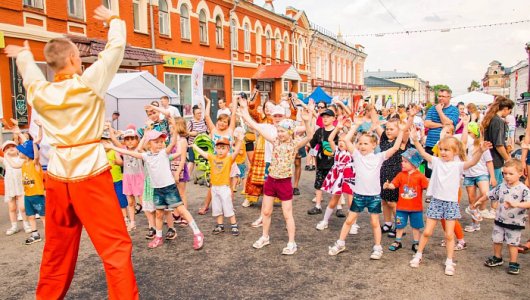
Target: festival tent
x: 475, y: 97
x: 129, y: 93
x: 318, y: 95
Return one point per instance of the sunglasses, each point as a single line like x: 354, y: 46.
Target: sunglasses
x: 321, y: 107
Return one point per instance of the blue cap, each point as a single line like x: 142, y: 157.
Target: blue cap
x: 413, y: 156
x: 26, y: 148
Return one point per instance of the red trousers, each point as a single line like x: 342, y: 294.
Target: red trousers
x: 93, y: 204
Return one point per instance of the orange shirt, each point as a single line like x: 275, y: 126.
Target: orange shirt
x: 415, y: 183
x: 220, y: 169
x: 32, y: 179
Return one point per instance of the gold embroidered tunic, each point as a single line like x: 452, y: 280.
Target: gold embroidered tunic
x: 73, y: 110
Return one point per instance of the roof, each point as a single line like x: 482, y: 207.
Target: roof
x: 285, y: 71
x: 90, y: 48
x: 390, y: 74
x: 372, y: 81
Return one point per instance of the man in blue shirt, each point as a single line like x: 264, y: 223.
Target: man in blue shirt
x: 437, y: 116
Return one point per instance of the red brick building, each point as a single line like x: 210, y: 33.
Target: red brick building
x: 243, y: 44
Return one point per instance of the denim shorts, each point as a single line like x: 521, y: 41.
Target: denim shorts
x: 416, y: 219
x: 167, y: 197
x: 191, y: 155
x: 242, y: 170
x: 473, y: 181
x: 372, y: 203
x: 34, y: 205
x: 498, y: 176
x: 443, y: 210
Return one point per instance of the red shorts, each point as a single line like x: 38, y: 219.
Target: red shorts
x: 278, y: 188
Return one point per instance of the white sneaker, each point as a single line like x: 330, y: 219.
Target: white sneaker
x: 322, y: 225
x: 415, y: 262
x: 12, y: 230
x: 472, y: 228
x: 450, y: 269
x: 19, y: 216
x: 354, y: 229
x: 261, y: 242
x: 257, y: 223
x: 486, y: 214
x: 245, y: 203
x: 290, y: 249
x: 37, y: 216
x: 336, y: 249
x: 314, y: 200
x: 27, y: 227
x: 377, y: 253
x: 342, y: 200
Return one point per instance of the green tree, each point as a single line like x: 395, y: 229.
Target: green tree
x: 473, y: 86
x: 438, y: 87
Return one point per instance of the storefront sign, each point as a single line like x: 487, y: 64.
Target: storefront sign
x: 178, y: 62
x: 2, y: 40
x: 20, y: 107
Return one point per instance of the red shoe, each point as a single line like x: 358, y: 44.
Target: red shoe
x: 198, y: 241
x: 156, y: 242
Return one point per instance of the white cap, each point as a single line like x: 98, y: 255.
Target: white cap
x: 277, y: 110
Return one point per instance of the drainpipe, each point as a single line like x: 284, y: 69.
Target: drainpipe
x: 232, y: 11
x: 331, y: 64
x: 152, y: 24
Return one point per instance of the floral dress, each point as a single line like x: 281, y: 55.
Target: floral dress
x: 341, y: 178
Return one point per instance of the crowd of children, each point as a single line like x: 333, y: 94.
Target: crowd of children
x: 150, y: 167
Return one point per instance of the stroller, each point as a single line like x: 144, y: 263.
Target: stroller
x: 202, y: 167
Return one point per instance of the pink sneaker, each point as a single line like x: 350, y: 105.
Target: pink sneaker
x: 198, y: 241
x: 156, y: 242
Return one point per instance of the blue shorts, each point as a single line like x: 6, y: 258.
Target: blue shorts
x: 372, y: 203
x: 473, y: 181
x: 242, y: 170
x: 191, y: 155
x: 301, y: 153
x: 416, y: 219
x: 443, y: 210
x: 34, y: 205
x: 498, y: 176
x: 167, y: 197
x: 122, y: 199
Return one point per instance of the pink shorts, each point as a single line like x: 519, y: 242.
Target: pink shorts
x: 133, y: 184
x: 278, y: 188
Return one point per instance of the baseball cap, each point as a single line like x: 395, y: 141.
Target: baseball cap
x: 7, y: 143
x: 106, y: 134
x: 129, y: 133
x: 26, y: 148
x: 222, y: 141
x: 154, y: 134
x: 278, y: 110
x: 328, y: 112
x: 116, y: 112
x: 413, y: 156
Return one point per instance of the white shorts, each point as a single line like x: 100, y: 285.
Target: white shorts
x: 234, y: 171
x: 222, y: 201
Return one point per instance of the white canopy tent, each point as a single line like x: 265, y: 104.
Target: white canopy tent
x: 475, y: 97
x: 129, y: 93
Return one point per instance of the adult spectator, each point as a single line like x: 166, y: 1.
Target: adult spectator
x: 461, y: 115
x: 114, y: 121
x: 196, y: 126
x: 173, y: 111
x: 223, y: 109
x: 438, y: 115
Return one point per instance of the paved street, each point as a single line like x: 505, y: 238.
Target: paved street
x: 228, y: 267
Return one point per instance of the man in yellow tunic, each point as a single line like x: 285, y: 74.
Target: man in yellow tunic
x: 79, y: 191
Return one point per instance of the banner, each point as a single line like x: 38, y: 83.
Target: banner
x: 20, y: 107
x: 197, y: 96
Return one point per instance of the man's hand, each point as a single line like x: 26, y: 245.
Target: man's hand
x: 14, y: 50
x: 102, y: 13
x: 37, y: 122
x: 439, y: 107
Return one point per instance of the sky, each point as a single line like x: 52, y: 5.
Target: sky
x: 454, y: 58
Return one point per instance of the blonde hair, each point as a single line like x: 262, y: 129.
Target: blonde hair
x: 181, y: 126
x: 455, y: 145
x: 517, y: 164
x: 370, y: 135
x: 57, y: 51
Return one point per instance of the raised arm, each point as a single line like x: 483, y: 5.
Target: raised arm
x: 419, y: 147
x: 239, y: 142
x: 484, y: 146
x: 233, y: 116
x: 397, y: 143
x: 38, y: 140
x: 123, y: 151
x: 26, y: 65
x: 174, y: 136
x: 251, y: 123
x: 375, y: 122
x: 112, y: 134
x: 333, y: 134
x: 307, y: 117
x: 207, y: 118
x: 200, y: 151
x: 161, y: 110
x: 348, y: 139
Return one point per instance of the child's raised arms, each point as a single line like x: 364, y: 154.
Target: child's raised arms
x: 174, y: 136
x: 306, y: 117
x: 245, y: 115
x: 110, y: 146
x: 419, y: 147
x: 397, y: 143
x: 200, y: 151
x: 484, y: 146
x: 336, y: 130
x: 239, y: 142
x: 348, y: 139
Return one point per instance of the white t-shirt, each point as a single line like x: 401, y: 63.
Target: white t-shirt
x: 225, y: 111
x: 173, y: 112
x: 510, y: 120
x: 158, y: 169
x: 445, y: 179
x: 480, y: 168
x: 420, y: 127
x: 368, y: 170
x: 268, y: 146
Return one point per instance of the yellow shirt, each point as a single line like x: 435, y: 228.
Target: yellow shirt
x: 32, y: 179
x: 220, y: 169
x: 72, y: 112
x: 115, y: 170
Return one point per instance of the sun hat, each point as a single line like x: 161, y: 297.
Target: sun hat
x: 413, y: 156
x: 154, y: 134
x: 26, y: 148
x: 7, y: 143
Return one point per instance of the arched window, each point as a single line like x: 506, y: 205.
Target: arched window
x: 246, y: 40
x: 268, y: 43
x: 258, y: 40
x: 300, y: 51
x: 184, y: 23
x: 163, y: 17
x: 219, y: 31
x: 233, y: 34
x: 203, y: 27
x: 278, y: 46
x: 286, y: 49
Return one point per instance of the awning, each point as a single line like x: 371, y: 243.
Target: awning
x: 283, y: 71
x: 134, y: 57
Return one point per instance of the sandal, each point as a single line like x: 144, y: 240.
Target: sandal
x: 523, y: 248
x: 204, y: 210
x: 137, y: 208
x: 234, y: 230
x: 395, y: 246
x: 415, y: 247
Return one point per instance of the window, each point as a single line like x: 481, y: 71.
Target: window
x: 34, y: 3
x: 339, y: 72
x: 278, y: 46
x: 268, y: 43
x: 240, y: 85
x: 140, y: 15
x: 136, y: 14
x: 304, y: 89
x: 286, y: 49
x: 246, y: 40
x: 344, y: 73
x: 107, y: 3
x: 326, y: 69
x: 184, y: 23
x: 233, y: 34
x: 258, y: 40
x: 181, y: 85
x: 300, y: 51
x: 203, y: 27
x: 286, y: 86
x: 219, y: 32
x: 76, y: 9
x: 163, y: 17
x: 318, y: 67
